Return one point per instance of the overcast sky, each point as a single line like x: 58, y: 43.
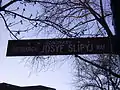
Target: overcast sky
x: 12, y: 71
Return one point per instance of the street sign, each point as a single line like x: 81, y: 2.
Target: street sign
x: 65, y: 46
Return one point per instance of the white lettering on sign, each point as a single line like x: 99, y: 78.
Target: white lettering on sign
x: 58, y: 42
x: 100, y: 47
x: 52, y: 49
x: 24, y: 49
x: 80, y: 48
x: 60, y: 47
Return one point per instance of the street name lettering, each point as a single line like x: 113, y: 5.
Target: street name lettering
x: 59, y: 46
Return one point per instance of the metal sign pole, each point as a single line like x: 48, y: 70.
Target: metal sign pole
x: 115, y: 7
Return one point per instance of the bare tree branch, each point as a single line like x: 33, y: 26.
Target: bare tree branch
x: 98, y: 66
x: 7, y: 26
